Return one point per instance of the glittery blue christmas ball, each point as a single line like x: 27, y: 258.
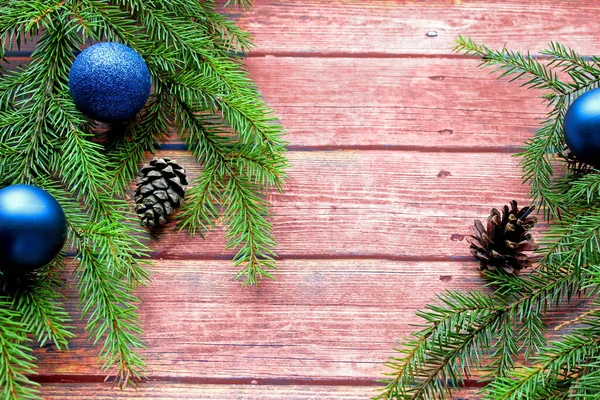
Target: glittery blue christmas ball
x: 33, y: 228
x: 582, y: 127
x: 109, y: 82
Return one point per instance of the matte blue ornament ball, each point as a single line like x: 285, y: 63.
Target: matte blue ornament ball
x: 109, y: 82
x: 582, y: 127
x: 33, y: 228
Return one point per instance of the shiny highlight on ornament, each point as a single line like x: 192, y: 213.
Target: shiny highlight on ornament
x: 33, y: 228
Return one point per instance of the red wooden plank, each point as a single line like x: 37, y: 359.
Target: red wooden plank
x: 330, y: 321
x: 335, y: 321
x: 395, y: 103
x: 384, y: 204
x: 399, y: 27
x: 159, y: 390
x: 396, y: 27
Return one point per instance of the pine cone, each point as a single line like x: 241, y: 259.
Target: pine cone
x: 160, y: 189
x: 502, y: 244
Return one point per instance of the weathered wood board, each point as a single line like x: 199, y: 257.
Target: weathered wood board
x: 397, y: 145
x: 367, y: 28
x: 378, y: 204
x: 161, y: 390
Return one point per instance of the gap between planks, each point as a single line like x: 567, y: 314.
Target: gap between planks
x: 205, y: 380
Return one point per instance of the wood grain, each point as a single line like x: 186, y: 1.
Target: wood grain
x: 327, y: 321
x: 391, y: 28
x: 160, y: 390
x: 399, y: 27
x: 321, y: 319
x: 383, y: 204
x: 395, y: 103
x: 397, y: 146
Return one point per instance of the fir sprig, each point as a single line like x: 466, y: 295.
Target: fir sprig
x: 16, y: 361
x: 195, y: 57
x: 105, y: 294
x: 480, y: 336
x: 461, y: 327
x: 206, y: 106
x: 42, y: 314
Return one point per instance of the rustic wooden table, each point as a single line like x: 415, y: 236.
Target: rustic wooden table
x: 397, y: 145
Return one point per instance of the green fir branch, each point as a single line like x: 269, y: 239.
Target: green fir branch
x: 111, y: 315
x: 514, y: 64
x: 259, y: 162
x: 245, y: 214
x: 245, y: 209
x: 237, y: 98
x: 490, y: 342
x: 506, y: 348
x: 475, y: 321
x: 200, y: 84
x: 239, y: 104
x: 16, y: 361
x: 83, y: 165
x: 458, y: 324
x: 541, y: 151
x: 585, y: 385
x: 47, y: 73
x: 532, y: 335
x: 201, y: 209
x: 538, y: 157
x: 558, y: 365
x: 231, y: 38
x: 105, y: 294
x: 101, y: 21
x: 580, y: 69
x: 574, y: 241
x: 39, y: 304
x: 584, y: 192
x: 244, y: 4
x: 25, y: 18
x: 128, y: 152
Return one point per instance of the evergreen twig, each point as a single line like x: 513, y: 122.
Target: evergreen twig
x: 39, y: 304
x: 485, y: 333
x: 195, y: 56
x: 16, y: 361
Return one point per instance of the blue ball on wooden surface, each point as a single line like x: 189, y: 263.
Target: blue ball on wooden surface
x: 33, y: 228
x: 109, y: 82
x: 582, y: 128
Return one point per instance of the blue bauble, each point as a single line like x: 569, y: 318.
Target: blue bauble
x: 33, y: 228
x: 582, y: 128
x: 109, y: 82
